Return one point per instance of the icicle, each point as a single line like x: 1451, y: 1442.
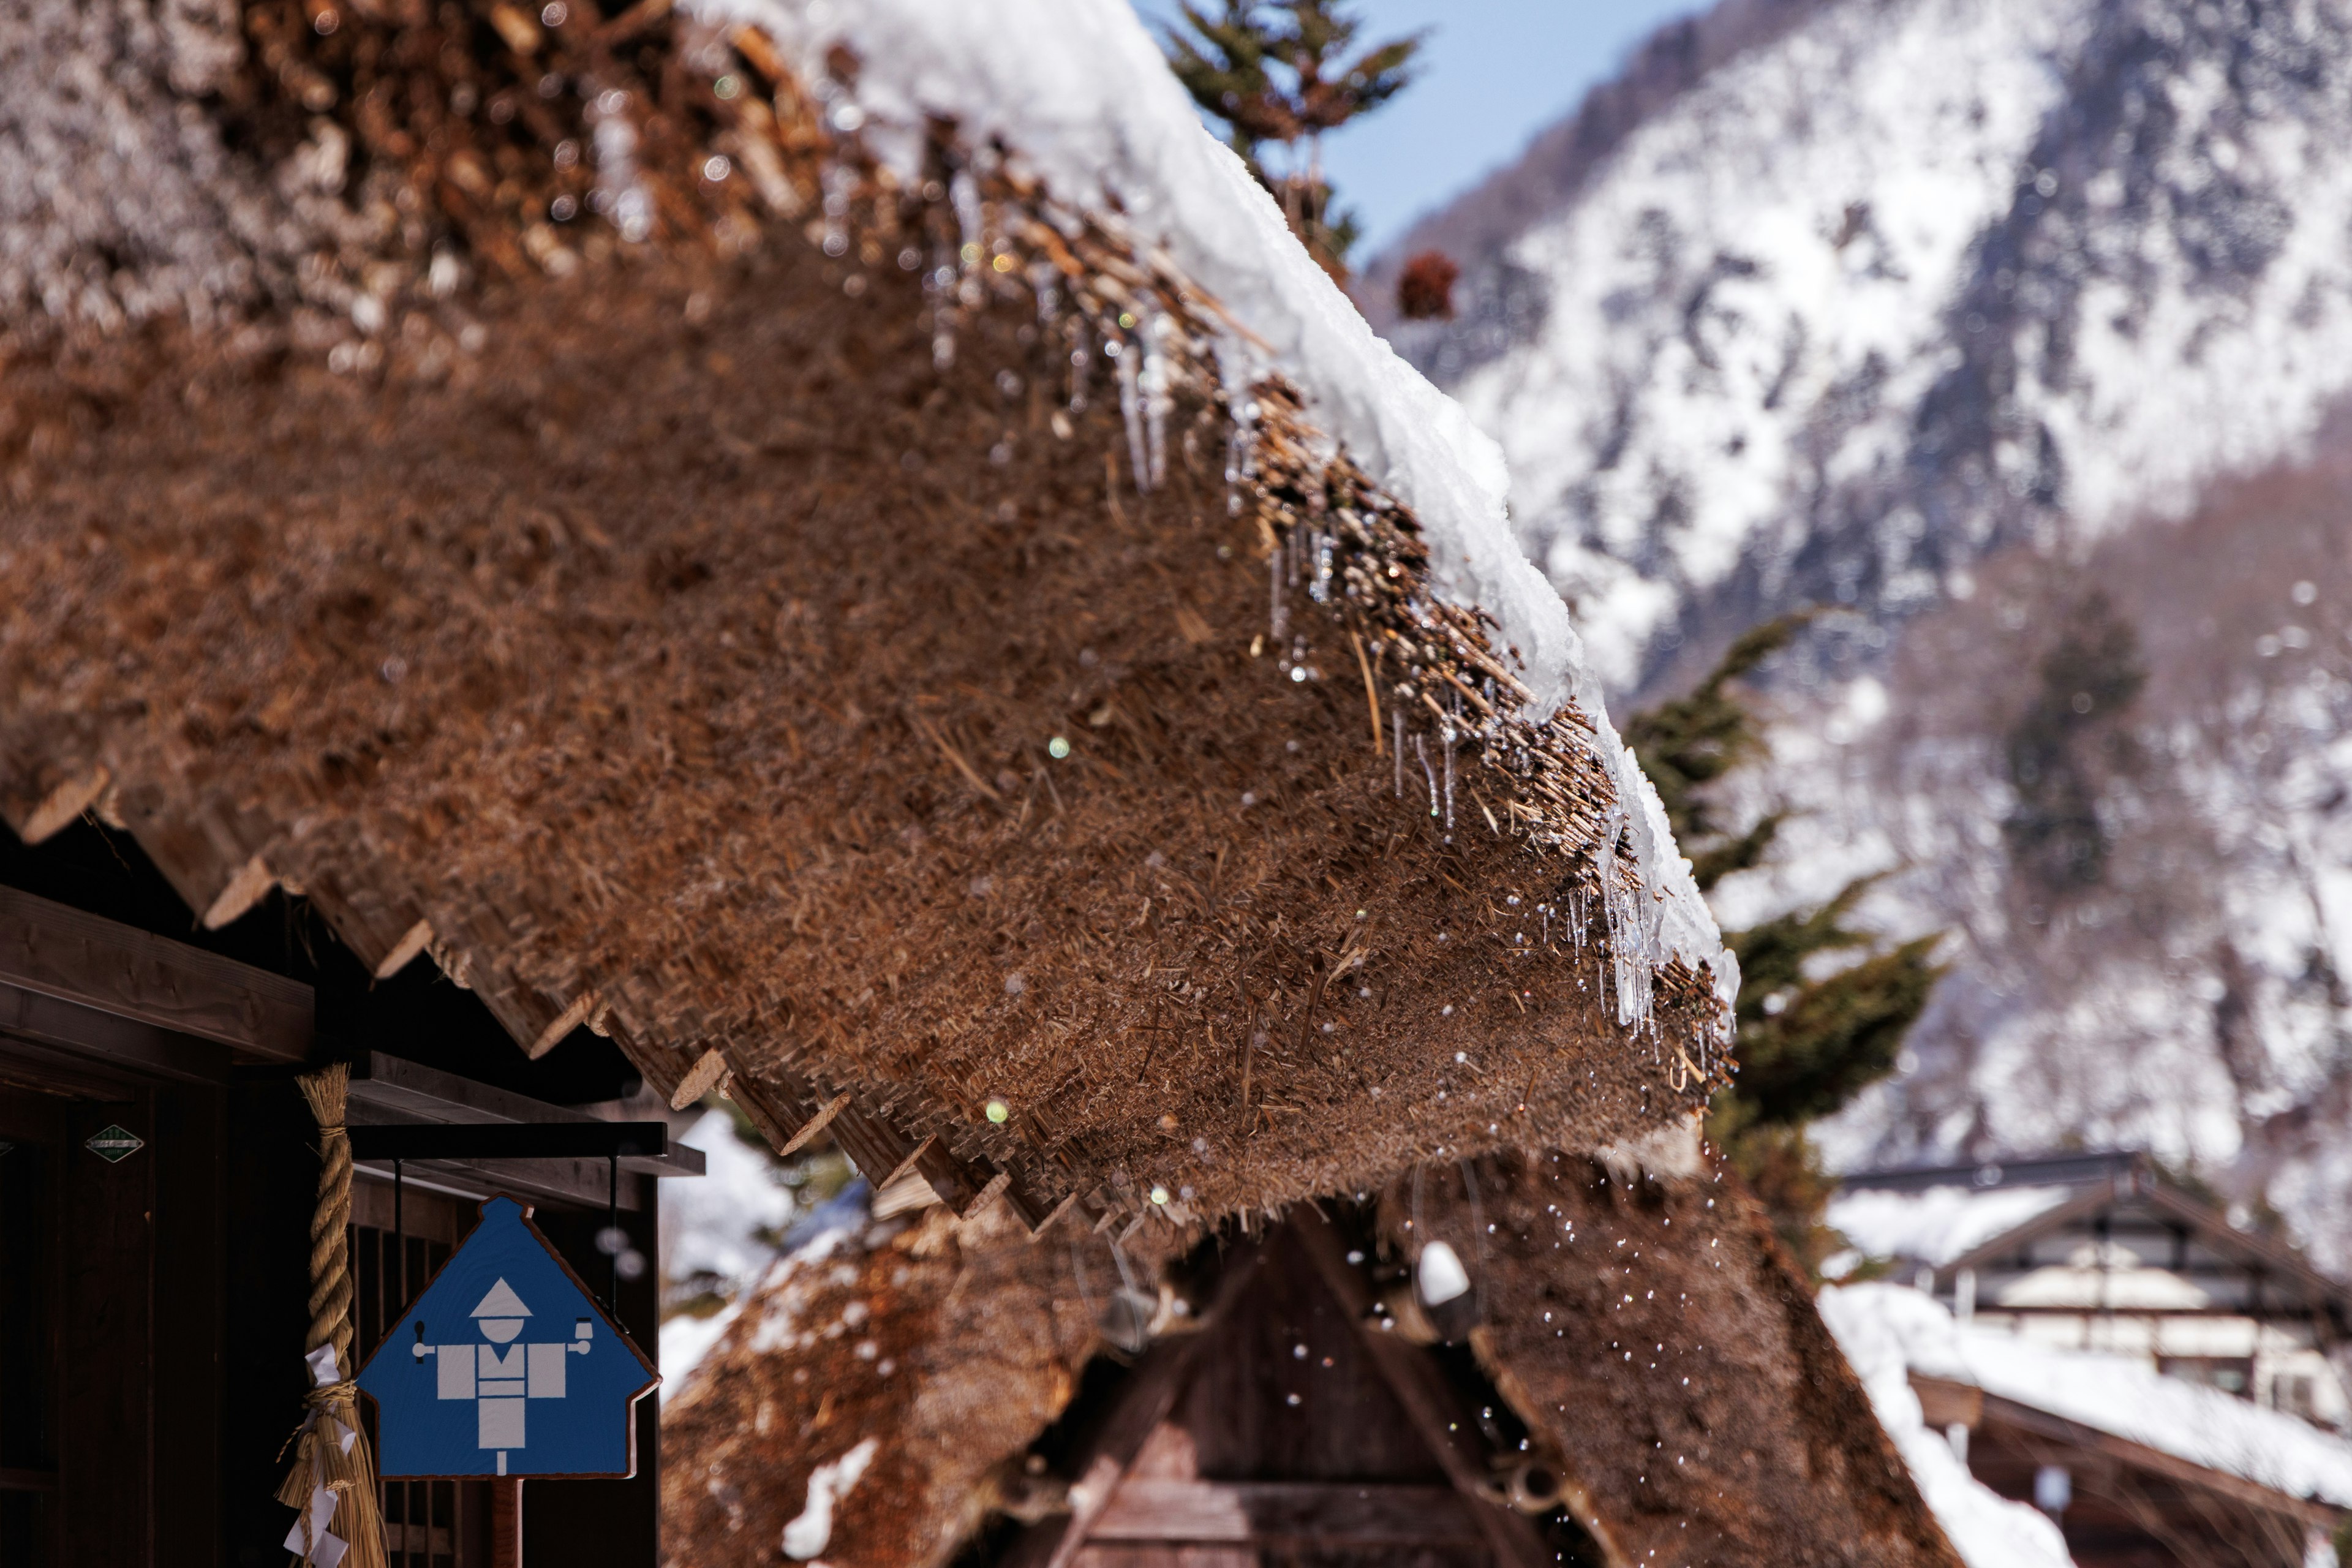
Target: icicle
x: 1081, y: 361
x: 1241, y: 455
x: 1397, y: 751
x: 1044, y: 282
x: 963, y: 195
x: 1157, y: 402
x: 937, y: 282
x: 620, y: 195
x: 1281, y: 604
x: 837, y: 183
x: 1320, y: 588
x: 1445, y: 738
x: 1428, y: 773
x: 1131, y: 408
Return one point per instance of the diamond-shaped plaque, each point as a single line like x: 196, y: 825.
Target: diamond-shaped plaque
x: 114, y: 1143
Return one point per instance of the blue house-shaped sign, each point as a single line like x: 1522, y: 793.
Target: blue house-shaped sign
x: 506, y: 1366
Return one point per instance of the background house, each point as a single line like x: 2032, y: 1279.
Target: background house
x: 2105, y: 1252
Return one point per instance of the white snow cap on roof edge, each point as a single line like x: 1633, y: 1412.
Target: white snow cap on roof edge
x: 1081, y: 97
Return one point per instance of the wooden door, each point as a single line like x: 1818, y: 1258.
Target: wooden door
x: 110, y: 1408
x: 32, y: 1130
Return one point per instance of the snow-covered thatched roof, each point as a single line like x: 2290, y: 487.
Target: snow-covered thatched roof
x: 853, y: 556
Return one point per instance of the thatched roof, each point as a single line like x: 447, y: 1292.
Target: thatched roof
x: 1646, y: 1331
x: 769, y: 628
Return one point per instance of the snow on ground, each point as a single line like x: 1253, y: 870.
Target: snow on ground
x: 1883, y: 1326
x: 686, y: 1340
x: 1080, y: 95
x: 781, y: 1275
x: 711, y: 1226
x: 1988, y: 1530
x: 709, y: 1236
x: 1938, y: 1224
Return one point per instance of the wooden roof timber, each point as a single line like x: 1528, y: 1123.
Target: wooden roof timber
x: 1976, y: 1405
x: 2211, y: 1226
x: 1103, y: 1511
x: 50, y: 950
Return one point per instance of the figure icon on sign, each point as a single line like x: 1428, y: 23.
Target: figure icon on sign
x: 500, y: 1375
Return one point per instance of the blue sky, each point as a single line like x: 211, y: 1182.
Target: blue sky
x: 1494, y: 73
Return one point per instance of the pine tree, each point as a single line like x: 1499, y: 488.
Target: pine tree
x: 2069, y: 743
x: 1274, y: 74
x: 1807, y: 1042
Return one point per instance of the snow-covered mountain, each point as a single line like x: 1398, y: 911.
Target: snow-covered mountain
x: 2016, y: 332
x: 1914, y: 280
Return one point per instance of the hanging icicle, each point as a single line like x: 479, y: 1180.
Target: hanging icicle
x: 1153, y: 386
x: 1131, y: 408
x: 1281, y: 622
x: 1445, y: 738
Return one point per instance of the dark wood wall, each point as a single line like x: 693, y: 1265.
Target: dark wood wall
x: 146, y: 1426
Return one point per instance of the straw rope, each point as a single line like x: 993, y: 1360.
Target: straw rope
x: 321, y: 1461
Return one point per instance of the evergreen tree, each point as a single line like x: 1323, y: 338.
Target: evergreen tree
x: 2069, y: 743
x: 1807, y: 1042
x: 1278, y: 74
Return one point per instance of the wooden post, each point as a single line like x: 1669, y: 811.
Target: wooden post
x: 506, y: 1522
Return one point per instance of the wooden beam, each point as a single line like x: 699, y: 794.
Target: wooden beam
x: 98, y: 963
x: 552, y: 1033
x: 699, y: 1079
x: 807, y: 1131
x: 1104, y: 1455
x: 252, y: 883
x: 1427, y: 1401
x: 1321, y: 1514
x: 414, y: 940
x: 67, y: 802
x: 67, y: 1049
x: 2001, y: 1411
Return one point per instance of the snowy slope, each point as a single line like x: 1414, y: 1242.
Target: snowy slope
x: 1958, y: 315
x: 1920, y: 279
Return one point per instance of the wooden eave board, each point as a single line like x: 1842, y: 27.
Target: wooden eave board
x: 60, y: 951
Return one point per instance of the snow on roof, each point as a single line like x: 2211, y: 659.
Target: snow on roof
x: 1986, y: 1530
x: 1938, y: 1223
x: 2129, y: 1399
x: 1079, y: 95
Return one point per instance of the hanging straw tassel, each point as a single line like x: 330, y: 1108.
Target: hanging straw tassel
x: 333, y: 1481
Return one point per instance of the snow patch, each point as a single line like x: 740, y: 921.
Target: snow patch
x: 811, y: 1530
x: 1938, y: 1224
x: 686, y: 1340
x: 1986, y: 1529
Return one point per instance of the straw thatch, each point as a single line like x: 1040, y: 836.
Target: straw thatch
x: 1645, y: 1328
x: 682, y: 637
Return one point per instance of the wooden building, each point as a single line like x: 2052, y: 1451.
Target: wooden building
x: 2103, y: 1252
x: 156, y: 1185
x: 2166, y: 1385
x: 1631, y: 1373
x: 2123, y: 1503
